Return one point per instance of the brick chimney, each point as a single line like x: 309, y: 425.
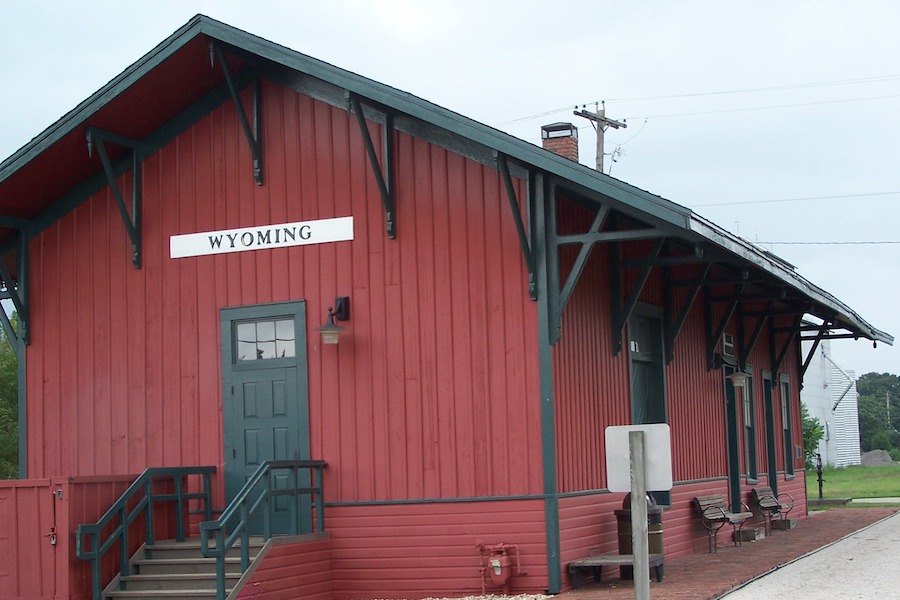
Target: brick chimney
x: 562, y: 139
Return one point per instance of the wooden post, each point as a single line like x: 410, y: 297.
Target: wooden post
x: 639, y: 543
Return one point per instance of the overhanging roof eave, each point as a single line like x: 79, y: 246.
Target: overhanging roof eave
x: 681, y: 221
x: 414, y: 106
x: 439, y: 116
x: 96, y: 101
x: 844, y: 315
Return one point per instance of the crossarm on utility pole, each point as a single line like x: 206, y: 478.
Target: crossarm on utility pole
x: 601, y: 124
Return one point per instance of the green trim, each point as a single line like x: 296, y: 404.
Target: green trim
x: 748, y: 396
x: 769, y: 418
x: 23, y: 412
x: 731, y: 438
x: 787, y: 444
x: 602, y: 491
x: 418, y: 501
x: 543, y: 209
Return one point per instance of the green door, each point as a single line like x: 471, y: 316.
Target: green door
x: 647, y: 372
x: 265, y: 403
x: 648, y: 388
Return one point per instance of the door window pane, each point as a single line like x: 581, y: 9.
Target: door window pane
x: 263, y: 340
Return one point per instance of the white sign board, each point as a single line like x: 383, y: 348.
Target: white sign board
x: 262, y: 237
x: 657, y: 457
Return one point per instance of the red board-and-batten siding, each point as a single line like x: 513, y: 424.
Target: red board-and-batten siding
x: 124, y: 368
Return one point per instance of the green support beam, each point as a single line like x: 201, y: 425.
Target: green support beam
x: 252, y: 133
x: 384, y: 172
x: 547, y: 263
x: 527, y: 251
x: 132, y: 220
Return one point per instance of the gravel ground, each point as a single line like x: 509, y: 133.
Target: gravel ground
x: 862, y: 565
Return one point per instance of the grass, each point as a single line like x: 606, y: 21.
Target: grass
x: 855, y: 482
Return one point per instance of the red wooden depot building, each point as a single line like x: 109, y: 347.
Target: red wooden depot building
x: 173, y: 246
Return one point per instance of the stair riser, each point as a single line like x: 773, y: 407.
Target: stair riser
x: 152, y: 596
x: 151, y: 568
x: 191, y: 552
x: 177, y: 571
x: 179, y: 584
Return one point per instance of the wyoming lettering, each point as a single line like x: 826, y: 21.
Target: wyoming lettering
x: 262, y: 237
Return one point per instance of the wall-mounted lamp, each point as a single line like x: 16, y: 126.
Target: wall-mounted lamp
x: 738, y: 379
x: 330, y: 331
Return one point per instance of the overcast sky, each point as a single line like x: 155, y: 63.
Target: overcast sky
x: 776, y: 120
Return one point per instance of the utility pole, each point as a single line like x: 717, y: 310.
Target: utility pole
x: 601, y: 123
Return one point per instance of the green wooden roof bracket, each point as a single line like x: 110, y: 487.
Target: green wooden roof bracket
x: 253, y: 134
x: 621, y: 311
x: 779, y: 359
x: 716, y: 334
x: 97, y: 137
x: 747, y: 348
x: 544, y: 193
x: 17, y: 292
x: 674, y: 325
x: 822, y: 334
x: 583, y: 254
x: 384, y: 172
x: 644, y: 275
x: 527, y: 251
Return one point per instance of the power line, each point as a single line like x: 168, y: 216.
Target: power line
x: 831, y: 243
x: 793, y: 86
x: 866, y: 195
x: 770, y: 107
x: 873, y: 79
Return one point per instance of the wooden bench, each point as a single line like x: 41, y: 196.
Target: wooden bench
x: 596, y: 564
x: 715, y: 514
x: 772, y: 505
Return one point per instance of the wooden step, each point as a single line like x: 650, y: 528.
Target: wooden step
x: 176, y: 581
x: 190, y: 548
x: 161, y: 566
x: 171, y: 569
x: 207, y: 594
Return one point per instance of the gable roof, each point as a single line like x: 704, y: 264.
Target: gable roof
x: 155, y: 91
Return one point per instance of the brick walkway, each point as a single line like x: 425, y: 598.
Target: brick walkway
x: 708, y: 576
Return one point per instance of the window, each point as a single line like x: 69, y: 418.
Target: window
x: 786, y: 426
x: 264, y: 340
x: 749, y: 420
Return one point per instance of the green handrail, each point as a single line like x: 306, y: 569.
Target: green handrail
x: 253, y: 499
x: 88, y: 542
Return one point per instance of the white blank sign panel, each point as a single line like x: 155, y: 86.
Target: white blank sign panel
x: 657, y: 457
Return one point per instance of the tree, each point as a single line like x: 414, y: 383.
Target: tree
x: 879, y: 411
x: 812, y: 434
x: 9, y: 407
